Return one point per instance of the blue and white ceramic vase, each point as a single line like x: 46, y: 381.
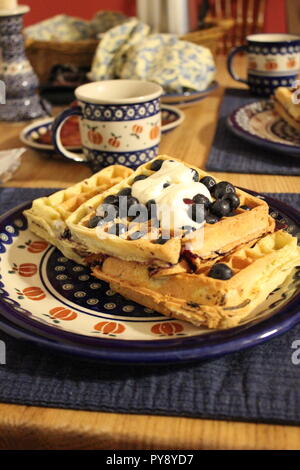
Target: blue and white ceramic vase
x: 19, y: 82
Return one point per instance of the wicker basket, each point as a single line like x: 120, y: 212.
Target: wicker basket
x: 211, y: 37
x: 43, y: 55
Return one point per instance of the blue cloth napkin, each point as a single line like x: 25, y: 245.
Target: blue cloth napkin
x: 259, y: 384
x: 232, y: 154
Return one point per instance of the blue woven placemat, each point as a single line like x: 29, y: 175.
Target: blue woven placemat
x: 232, y: 154
x: 260, y: 384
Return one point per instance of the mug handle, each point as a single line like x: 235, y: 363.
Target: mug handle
x: 56, y: 139
x: 230, y: 58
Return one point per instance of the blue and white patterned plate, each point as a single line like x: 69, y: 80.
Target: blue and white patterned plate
x: 172, y: 117
x: 30, y: 135
x: 51, y: 301
x: 260, y: 124
x: 189, y: 98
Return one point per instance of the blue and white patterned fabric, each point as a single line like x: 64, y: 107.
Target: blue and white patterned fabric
x: 129, y: 51
x: 105, y: 20
x: 60, y: 28
x: 69, y: 28
x: 112, y: 50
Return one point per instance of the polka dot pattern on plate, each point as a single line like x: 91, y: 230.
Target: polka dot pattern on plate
x: 79, y: 294
x: 81, y: 289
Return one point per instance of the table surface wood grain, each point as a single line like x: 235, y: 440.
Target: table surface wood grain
x: 28, y: 427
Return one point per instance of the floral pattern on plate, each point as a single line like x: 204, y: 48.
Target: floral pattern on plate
x: 38, y: 282
x: 260, y: 124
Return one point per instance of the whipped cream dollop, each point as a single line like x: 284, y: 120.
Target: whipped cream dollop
x: 172, y: 209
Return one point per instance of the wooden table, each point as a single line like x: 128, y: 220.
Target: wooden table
x: 28, y: 427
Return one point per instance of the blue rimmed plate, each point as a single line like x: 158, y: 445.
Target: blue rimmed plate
x: 54, y: 302
x: 188, y: 98
x: 31, y: 134
x: 259, y: 124
x: 172, y: 117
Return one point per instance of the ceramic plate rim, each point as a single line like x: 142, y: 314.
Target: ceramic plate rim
x: 239, y: 131
x: 171, y: 350
x: 191, y: 94
x: 180, y: 118
x: 186, y: 99
x: 36, y: 145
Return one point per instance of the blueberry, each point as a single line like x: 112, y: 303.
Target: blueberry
x: 161, y: 241
x: 150, y: 202
x: 195, y: 212
x: 110, y: 214
x: 151, y: 208
x: 117, y: 229
x: 125, y: 192
x: 111, y: 199
x: 125, y: 204
x: 208, y: 181
x: 245, y: 208
x: 220, y: 207
x: 139, y: 213
x: 66, y: 235
x: 166, y: 185
x: 211, y: 218
x: 136, y: 235
x: 222, y: 188
x: 94, y: 221
x: 195, y: 175
x: 233, y: 200
x: 156, y: 165
x: 131, y: 201
x: 128, y: 201
x: 220, y: 271
x: 201, y: 199
x: 139, y: 178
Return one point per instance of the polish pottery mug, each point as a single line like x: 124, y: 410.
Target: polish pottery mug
x: 120, y: 123
x: 273, y: 61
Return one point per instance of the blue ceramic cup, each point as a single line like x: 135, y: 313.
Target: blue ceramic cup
x: 273, y: 61
x: 120, y: 123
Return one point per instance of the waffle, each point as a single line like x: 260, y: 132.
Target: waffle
x: 48, y: 216
x: 220, y: 238
x: 286, y: 108
x: 203, y: 300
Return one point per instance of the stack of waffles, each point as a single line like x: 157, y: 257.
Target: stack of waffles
x: 48, y: 216
x: 287, y: 105
x: 175, y: 240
